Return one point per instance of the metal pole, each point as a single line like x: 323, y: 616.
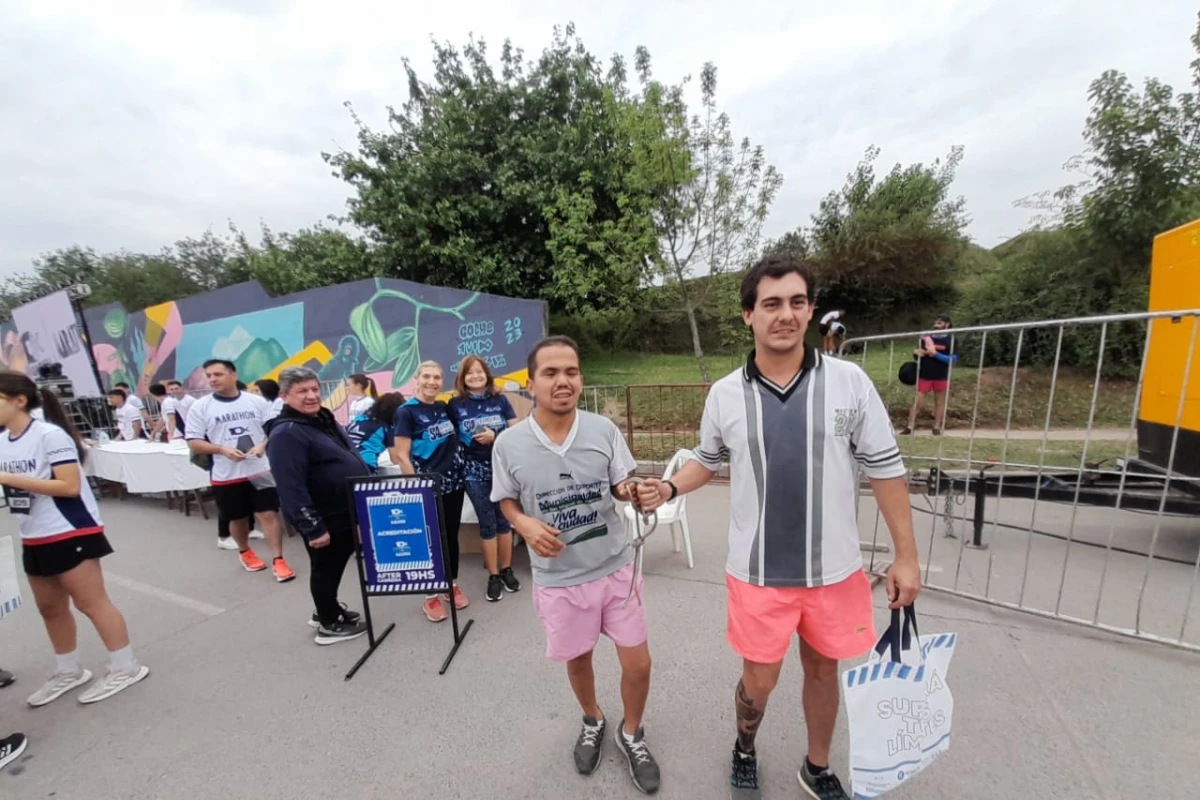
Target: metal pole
x: 87, y: 341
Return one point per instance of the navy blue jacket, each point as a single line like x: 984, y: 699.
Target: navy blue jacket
x: 311, y: 458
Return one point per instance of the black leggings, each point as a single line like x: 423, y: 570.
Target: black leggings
x: 328, y: 564
x: 452, y: 506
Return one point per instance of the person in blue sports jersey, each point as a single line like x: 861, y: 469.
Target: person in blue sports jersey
x: 483, y: 413
x: 425, y: 434
x: 371, y: 431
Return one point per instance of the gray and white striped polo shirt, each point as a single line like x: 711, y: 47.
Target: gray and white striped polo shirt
x: 794, y: 454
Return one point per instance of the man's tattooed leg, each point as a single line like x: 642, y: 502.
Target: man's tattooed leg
x: 749, y: 717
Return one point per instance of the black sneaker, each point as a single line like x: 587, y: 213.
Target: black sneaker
x: 11, y: 748
x: 743, y: 779
x: 822, y: 786
x: 348, y: 616
x: 587, y: 748
x: 7, y: 678
x: 340, y: 631
x: 937, y: 431
x: 642, y: 766
x: 511, y: 584
x: 495, y: 590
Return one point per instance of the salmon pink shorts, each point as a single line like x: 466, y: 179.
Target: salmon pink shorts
x: 575, y: 616
x: 838, y: 620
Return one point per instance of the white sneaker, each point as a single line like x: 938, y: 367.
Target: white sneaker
x: 227, y: 543
x: 112, y: 683
x: 257, y: 535
x: 58, y: 685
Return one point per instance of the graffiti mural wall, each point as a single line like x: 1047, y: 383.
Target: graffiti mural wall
x: 383, y: 328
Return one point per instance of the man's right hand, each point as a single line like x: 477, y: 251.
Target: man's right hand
x: 651, y: 493
x: 232, y: 453
x: 540, y: 537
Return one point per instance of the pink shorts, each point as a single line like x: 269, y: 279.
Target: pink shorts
x: 926, y: 386
x: 838, y: 620
x: 575, y: 616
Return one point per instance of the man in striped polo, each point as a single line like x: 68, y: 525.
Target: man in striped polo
x: 797, y: 427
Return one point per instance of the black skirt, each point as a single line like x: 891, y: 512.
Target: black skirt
x: 55, y: 558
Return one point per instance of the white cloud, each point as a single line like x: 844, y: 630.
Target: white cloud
x: 132, y: 125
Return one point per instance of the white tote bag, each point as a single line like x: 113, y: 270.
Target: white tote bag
x: 10, y: 587
x: 899, y: 705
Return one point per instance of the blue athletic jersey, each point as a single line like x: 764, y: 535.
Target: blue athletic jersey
x: 435, y: 448
x: 370, y: 436
x: 476, y: 413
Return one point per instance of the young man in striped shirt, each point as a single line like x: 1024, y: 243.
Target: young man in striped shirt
x: 796, y: 428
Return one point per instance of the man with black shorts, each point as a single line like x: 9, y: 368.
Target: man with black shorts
x: 797, y: 427
x: 228, y: 425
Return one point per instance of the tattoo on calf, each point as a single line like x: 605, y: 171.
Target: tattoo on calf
x: 749, y: 717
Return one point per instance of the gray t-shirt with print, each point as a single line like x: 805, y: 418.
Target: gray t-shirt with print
x: 568, y: 486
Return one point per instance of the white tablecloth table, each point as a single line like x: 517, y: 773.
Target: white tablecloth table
x: 146, y: 467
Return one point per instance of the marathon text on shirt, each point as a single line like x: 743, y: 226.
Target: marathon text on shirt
x: 235, y: 415
x: 19, y: 466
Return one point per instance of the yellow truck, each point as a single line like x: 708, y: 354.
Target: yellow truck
x: 1174, y: 286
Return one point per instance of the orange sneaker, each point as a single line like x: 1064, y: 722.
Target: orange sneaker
x: 460, y: 599
x: 251, y: 561
x: 434, y: 609
x: 283, y: 573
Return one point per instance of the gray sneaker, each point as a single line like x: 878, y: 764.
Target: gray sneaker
x: 823, y: 785
x: 58, y: 685
x: 587, y: 748
x: 642, y: 766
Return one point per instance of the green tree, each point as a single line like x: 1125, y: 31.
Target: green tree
x: 1140, y: 176
x: 307, y: 259
x: 886, y: 244
x: 711, y: 204
x: 517, y: 183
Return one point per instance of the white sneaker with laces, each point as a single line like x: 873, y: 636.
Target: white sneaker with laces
x: 58, y: 685
x: 256, y: 535
x: 112, y: 683
x: 227, y: 543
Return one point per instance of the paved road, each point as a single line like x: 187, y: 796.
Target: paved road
x: 242, y: 704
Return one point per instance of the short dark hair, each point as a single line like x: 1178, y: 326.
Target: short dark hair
x: 157, y: 389
x: 117, y: 393
x: 174, y: 382
x: 123, y: 385
x: 269, y: 388
x: 775, y: 267
x: 549, y: 341
x: 229, y: 365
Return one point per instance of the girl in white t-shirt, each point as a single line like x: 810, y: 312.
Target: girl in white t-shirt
x: 62, y: 538
x: 363, y: 394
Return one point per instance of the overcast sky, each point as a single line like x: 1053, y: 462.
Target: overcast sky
x: 130, y: 125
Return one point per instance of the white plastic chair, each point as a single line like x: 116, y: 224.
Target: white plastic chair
x: 674, y: 512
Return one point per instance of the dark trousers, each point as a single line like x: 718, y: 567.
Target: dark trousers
x: 452, y: 506
x: 328, y: 564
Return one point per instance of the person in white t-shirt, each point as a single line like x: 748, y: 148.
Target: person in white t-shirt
x: 362, y: 393
x: 831, y: 325
x: 268, y: 389
x: 796, y: 428
x: 125, y: 415
x: 62, y: 539
x: 136, y: 403
x: 228, y: 425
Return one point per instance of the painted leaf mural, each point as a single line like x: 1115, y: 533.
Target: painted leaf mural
x: 367, y: 327
x: 383, y: 327
x: 406, y: 366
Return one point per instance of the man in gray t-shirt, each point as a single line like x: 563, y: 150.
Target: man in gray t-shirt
x: 555, y: 476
